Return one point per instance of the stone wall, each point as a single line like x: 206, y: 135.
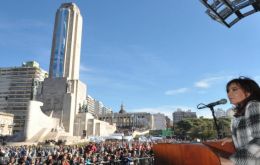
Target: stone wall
x: 37, y: 123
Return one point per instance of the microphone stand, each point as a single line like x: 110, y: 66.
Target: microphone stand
x: 210, y: 106
x: 215, y: 121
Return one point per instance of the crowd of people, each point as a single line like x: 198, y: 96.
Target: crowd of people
x: 106, y: 153
x: 243, y: 93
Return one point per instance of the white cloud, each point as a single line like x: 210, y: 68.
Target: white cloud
x: 202, y: 84
x: 177, y: 91
x: 208, y: 82
x: 84, y: 68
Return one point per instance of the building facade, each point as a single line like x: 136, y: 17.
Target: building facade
x: 220, y: 113
x: 6, y: 123
x: 158, y: 121
x: 90, y: 105
x: 230, y: 112
x: 18, y: 85
x: 96, y: 107
x: 169, y: 123
x: 181, y: 114
x: 106, y: 110
x: 129, y: 121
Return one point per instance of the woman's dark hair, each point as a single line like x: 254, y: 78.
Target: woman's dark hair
x: 248, y: 85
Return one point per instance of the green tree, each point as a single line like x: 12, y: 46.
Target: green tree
x: 182, y: 127
x: 202, y: 128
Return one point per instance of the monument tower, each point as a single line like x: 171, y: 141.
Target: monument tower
x: 63, y: 93
x: 59, y: 108
x: 66, y: 43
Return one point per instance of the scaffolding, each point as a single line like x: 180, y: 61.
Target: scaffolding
x: 229, y: 12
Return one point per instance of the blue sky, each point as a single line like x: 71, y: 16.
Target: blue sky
x: 150, y: 55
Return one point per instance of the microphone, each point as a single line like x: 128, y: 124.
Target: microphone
x: 222, y: 101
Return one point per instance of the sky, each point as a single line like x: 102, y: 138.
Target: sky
x: 152, y: 56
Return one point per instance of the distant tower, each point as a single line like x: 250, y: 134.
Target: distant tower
x: 66, y: 43
x: 122, y: 110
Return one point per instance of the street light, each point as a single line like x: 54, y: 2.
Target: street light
x: 229, y: 12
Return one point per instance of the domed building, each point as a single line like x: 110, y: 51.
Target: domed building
x: 122, y: 110
x: 126, y: 121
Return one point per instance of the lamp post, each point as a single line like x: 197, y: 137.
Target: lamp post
x: 2, y: 133
x: 229, y: 12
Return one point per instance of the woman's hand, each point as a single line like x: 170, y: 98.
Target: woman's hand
x: 226, y: 140
x: 226, y: 161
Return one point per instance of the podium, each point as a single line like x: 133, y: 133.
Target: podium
x: 207, y: 153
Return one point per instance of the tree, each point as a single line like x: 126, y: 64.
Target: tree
x: 182, y: 127
x: 202, y: 128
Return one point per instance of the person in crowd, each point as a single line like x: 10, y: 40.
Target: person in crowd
x: 49, y: 160
x: 11, y: 161
x: 112, y: 153
x: 244, y: 94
